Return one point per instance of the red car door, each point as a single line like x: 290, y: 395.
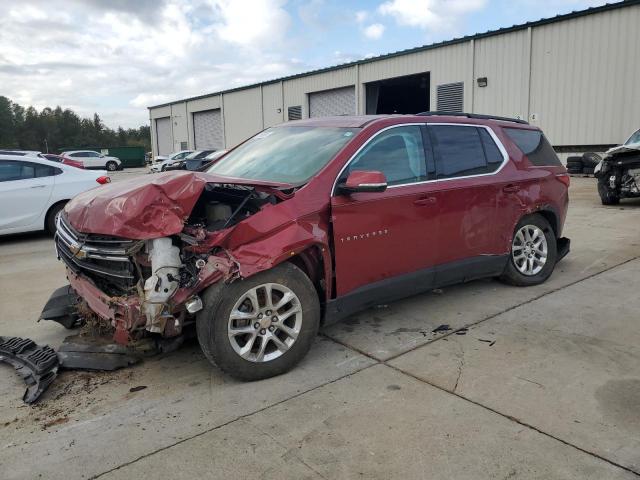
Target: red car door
x: 391, y: 235
x: 467, y: 159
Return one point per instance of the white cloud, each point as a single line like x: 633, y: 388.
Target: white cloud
x: 436, y: 15
x: 374, y: 31
x: 250, y: 23
x: 119, y: 57
x: 361, y: 16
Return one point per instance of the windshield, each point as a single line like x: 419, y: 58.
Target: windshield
x: 284, y: 154
x: 633, y: 139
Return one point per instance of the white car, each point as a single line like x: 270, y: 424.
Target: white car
x: 162, y: 162
x: 92, y: 159
x: 33, y: 190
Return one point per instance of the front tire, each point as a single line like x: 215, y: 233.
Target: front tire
x: 52, y: 214
x: 262, y: 326
x: 534, y: 252
x: 112, y: 166
x: 607, y: 195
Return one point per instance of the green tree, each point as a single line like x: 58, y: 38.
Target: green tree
x: 56, y: 129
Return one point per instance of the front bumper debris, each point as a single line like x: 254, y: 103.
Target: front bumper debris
x: 37, y: 365
x: 62, y: 308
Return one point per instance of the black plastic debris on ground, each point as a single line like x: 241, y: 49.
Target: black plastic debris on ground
x: 462, y: 331
x: 137, y: 389
x: 37, y: 365
x: 441, y: 328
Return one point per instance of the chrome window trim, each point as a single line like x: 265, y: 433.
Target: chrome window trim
x: 503, y: 151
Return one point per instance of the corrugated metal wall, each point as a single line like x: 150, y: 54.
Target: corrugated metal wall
x: 584, y: 78
x: 504, y: 61
x: 576, y: 79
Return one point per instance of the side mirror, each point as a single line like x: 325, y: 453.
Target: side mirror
x: 363, y: 181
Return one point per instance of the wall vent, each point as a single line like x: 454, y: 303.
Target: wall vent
x: 451, y: 97
x: 294, y: 113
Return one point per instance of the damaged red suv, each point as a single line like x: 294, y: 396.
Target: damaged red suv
x: 310, y: 221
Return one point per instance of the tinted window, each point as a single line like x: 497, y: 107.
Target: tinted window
x: 397, y: 152
x: 458, y: 150
x: 13, y: 170
x: 534, y: 145
x: 78, y: 154
x: 91, y: 154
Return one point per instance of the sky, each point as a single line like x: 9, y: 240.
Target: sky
x: 118, y: 57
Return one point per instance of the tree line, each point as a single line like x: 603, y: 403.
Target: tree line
x: 53, y: 129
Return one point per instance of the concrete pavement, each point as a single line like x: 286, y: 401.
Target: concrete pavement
x: 379, y: 396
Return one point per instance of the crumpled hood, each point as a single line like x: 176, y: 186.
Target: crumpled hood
x: 143, y: 207
x: 635, y: 147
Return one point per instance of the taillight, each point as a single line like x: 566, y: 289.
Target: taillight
x: 103, y: 179
x: 564, y: 178
x: 72, y: 163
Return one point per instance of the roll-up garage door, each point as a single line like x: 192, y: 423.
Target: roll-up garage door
x: 207, y: 128
x: 164, y: 138
x: 339, y: 101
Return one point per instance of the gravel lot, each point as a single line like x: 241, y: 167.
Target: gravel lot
x: 543, y: 384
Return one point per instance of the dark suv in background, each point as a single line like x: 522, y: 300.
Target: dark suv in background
x: 310, y: 221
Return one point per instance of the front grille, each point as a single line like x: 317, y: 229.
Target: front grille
x: 102, y: 258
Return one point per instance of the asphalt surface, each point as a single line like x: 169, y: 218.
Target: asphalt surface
x: 538, y: 382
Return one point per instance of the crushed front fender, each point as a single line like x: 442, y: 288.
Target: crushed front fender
x: 37, y: 365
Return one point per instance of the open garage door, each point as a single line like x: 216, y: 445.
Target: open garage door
x: 409, y: 94
x: 164, y: 139
x: 339, y: 101
x: 207, y: 130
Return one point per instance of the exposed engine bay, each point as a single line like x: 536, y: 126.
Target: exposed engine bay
x: 152, y: 284
x: 619, y: 175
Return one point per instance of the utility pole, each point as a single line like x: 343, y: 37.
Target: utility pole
x: 46, y: 145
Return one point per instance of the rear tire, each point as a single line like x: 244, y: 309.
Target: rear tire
x: 235, y: 330
x: 50, y: 221
x: 112, y: 166
x: 527, y: 249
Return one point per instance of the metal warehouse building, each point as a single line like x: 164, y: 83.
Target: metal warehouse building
x: 575, y: 76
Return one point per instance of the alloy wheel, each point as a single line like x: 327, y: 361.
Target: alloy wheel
x: 529, y: 250
x: 265, y: 322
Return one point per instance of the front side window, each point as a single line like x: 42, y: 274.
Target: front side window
x: 398, y: 153
x: 285, y: 154
x: 460, y: 152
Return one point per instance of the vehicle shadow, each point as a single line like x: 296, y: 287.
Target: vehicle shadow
x: 15, y: 238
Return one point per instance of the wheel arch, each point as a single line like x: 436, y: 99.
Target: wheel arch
x: 50, y: 209
x: 551, y: 216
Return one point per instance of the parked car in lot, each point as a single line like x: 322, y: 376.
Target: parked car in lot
x: 618, y: 173
x: 34, y: 190
x: 21, y: 153
x: 52, y: 157
x: 311, y: 221
x: 191, y: 161
x: 91, y: 159
x: 162, y: 162
x: 199, y: 165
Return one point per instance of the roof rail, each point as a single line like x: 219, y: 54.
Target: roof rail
x: 477, y: 116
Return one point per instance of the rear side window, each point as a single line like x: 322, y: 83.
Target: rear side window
x: 461, y: 151
x: 14, y: 170
x: 535, y: 146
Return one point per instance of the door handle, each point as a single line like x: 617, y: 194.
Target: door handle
x: 511, y: 188
x: 425, y: 201
x: 38, y: 186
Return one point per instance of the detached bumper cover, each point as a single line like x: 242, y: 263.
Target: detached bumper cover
x: 37, y: 365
